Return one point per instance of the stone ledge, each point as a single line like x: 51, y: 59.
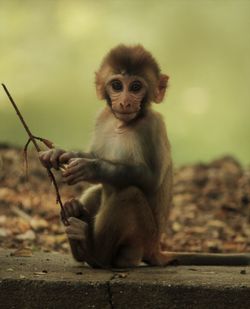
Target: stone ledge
x: 50, y: 280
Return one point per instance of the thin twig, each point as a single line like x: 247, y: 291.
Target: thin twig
x: 33, y: 139
x: 25, y: 154
x: 45, y: 141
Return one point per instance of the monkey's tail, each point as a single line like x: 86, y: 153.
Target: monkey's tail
x: 188, y: 258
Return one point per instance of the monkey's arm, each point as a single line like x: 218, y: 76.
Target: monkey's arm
x: 122, y: 175
x: 114, y: 173
x: 85, y: 166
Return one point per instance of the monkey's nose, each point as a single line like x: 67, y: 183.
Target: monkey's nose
x: 125, y: 106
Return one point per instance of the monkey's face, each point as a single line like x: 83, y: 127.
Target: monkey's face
x: 126, y: 94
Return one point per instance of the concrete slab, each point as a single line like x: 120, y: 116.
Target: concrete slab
x: 50, y: 280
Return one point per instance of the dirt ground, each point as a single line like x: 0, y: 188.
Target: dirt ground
x: 211, y: 206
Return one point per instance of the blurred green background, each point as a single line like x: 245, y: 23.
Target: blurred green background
x: 49, y: 51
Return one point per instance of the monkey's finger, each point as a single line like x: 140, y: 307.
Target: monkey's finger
x: 79, y: 234
x: 85, y: 215
x: 76, y: 207
x: 41, y: 154
x: 76, y: 161
x: 77, y: 225
x: 54, y: 159
x: 69, y: 212
x: 71, y: 177
x: 65, y: 157
x: 81, y: 177
x: 73, y: 230
x: 76, y: 236
x: 76, y: 180
x: 73, y: 170
x: 76, y: 222
x: 76, y: 228
x: 44, y: 157
x: 66, y: 209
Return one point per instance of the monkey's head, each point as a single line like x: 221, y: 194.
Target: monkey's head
x: 129, y: 79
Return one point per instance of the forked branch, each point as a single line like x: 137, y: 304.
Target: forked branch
x: 34, y: 139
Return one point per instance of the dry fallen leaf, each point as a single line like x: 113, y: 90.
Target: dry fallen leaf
x: 38, y: 223
x: 29, y: 235
x: 3, y: 219
x: 22, y: 252
x: 3, y: 232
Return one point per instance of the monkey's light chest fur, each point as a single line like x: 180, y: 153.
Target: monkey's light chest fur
x: 115, y: 143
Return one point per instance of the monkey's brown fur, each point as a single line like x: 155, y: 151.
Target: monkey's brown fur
x: 121, y: 219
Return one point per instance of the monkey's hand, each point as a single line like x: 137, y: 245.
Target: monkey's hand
x: 80, y: 169
x: 56, y: 157
x: 77, y: 229
x: 73, y: 208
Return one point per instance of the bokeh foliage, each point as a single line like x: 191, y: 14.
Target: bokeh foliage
x: 49, y: 51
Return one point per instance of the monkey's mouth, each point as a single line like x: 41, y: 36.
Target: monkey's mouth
x: 123, y: 113
x: 125, y: 116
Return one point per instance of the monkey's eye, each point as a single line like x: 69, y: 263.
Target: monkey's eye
x: 135, y: 86
x: 116, y: 85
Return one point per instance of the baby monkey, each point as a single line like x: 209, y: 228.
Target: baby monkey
x: 120, y: 220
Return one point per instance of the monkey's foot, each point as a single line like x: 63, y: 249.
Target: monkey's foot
x: 73, y: 208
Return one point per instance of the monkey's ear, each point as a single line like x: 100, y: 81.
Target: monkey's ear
x: 99, y: 87
x: 161, y: 88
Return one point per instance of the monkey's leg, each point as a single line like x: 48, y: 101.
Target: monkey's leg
x: 122, y: 228
x: 86, y: 206
x: 91, y: 199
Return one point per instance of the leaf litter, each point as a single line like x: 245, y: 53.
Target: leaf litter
x: 210, y: 213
